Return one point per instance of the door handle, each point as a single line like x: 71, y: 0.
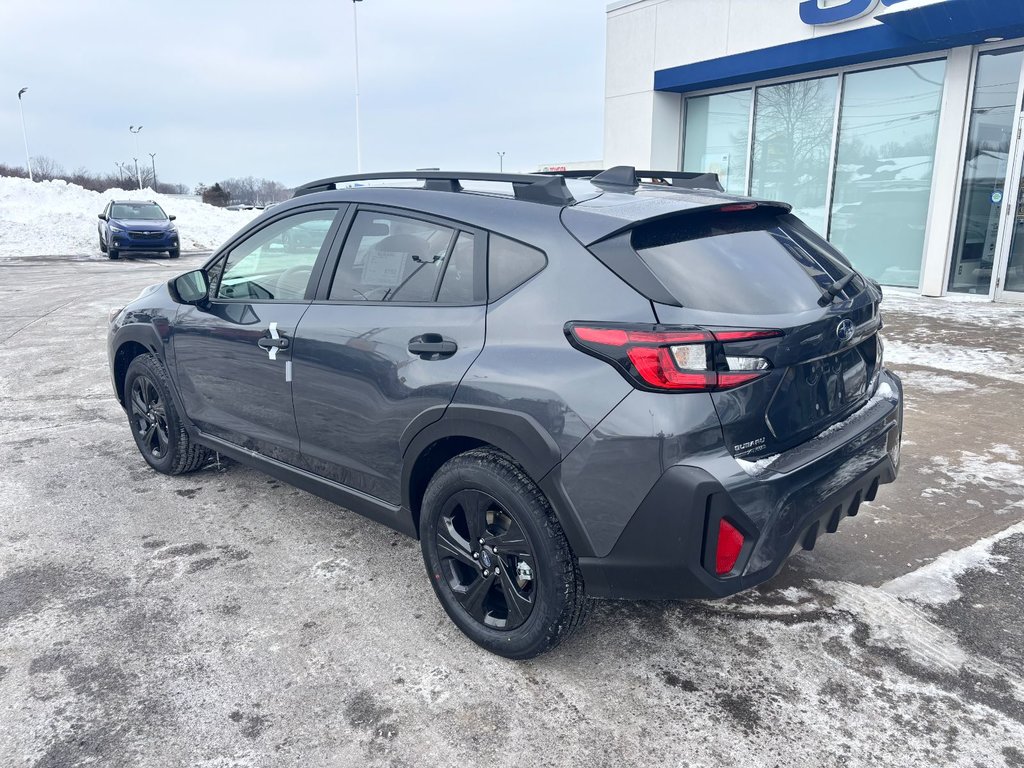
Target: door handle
x: 268, y: 343
x: 432, y: 346
x: 273, y: 342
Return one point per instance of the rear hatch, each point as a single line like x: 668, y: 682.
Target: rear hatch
x: 741, y: 267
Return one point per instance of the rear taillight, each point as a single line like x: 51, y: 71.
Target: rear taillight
x: 728, y: 548
x: 667, y: 359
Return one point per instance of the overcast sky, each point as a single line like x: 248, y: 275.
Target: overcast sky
x: 228, y: 88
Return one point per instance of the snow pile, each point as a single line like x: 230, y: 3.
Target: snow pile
x: 954, y: 309
x: 936, y: 583
x: 56, y: 218
x: 981, y: 361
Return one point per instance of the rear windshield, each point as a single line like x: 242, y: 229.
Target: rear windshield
x: 747, y: 262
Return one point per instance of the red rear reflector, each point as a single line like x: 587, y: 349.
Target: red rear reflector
x: 727, y: 551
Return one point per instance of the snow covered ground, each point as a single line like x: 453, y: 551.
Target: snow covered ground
x: 54, y: 217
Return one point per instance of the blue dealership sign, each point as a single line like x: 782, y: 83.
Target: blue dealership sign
x: 812, y: 12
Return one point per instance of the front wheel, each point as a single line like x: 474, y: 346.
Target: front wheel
x: 498, y: 559
x: 156, y: 425
x: 174, y: 253
x: 111, y: 253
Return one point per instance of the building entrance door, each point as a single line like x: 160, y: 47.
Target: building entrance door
x: 1010, y: 265
x: 989, y: 193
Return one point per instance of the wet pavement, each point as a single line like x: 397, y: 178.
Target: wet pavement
x: 225, y: 619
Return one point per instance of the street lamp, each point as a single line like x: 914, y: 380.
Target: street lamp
x: 120, y: 175
x: 152, y: 159
x: 355, y: 40
x: 24, y: 135
x: 135, y: 130
x: 501, y: 162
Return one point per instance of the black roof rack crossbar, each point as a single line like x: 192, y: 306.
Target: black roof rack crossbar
x: 625, y: 175
x: 530, y: 187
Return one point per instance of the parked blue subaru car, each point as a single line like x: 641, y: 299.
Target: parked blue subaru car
x: 137, y: 225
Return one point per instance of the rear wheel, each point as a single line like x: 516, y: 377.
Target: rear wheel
x: 156, y: 425
x: 103, y: 246
x: 497, y: 558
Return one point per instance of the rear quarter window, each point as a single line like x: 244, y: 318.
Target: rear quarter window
x: 510, y: 264
x: 739, y: 262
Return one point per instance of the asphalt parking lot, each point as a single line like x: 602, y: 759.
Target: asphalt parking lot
x: 225, y: 619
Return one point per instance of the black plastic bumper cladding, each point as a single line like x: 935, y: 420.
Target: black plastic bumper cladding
x: 667, y: 551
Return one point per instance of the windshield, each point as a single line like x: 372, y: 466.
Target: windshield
x: 136, y: 211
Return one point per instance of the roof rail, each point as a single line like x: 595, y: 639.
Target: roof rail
x: 532, y: 188
x: 628, y: 176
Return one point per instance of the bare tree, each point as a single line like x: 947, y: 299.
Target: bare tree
x: 46, y: 168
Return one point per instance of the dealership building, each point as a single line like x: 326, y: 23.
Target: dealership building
x: 893, y: 127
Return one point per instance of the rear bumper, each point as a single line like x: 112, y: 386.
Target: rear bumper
x: 667, y: 551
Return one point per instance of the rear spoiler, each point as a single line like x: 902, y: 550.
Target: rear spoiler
x: 590, y: 225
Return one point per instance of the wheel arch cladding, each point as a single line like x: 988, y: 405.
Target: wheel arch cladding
x: 126, y: 352
x: 463, y: 428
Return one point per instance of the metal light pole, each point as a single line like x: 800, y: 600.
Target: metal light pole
x: 501, y: 162
x: 120, y: 175
x: 152, y: 159
x: 24, y: 134
x: 135, y: 130
x: 355, y: 40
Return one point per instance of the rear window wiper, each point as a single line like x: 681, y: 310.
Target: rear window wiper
x: 835, y: 289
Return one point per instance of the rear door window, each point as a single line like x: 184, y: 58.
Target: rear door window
x: 739, y: 262
x: 391, y: 258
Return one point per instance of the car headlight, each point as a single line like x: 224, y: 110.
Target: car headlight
x: 117, y: 228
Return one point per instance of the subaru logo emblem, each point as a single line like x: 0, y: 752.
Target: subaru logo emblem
x: 845, y: 331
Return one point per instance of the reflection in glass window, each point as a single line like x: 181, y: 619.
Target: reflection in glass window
x: 793, y: 126
x: 276, y: 262
x: 717, y: 138
x: 993, y: 118
x: 390, y: 258
x: 888, y: 125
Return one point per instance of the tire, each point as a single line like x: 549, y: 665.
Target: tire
x: 103, y: 246
x: 520, y: 612
x: 154, y: 420
x: 111, y: 253
x: 175, y: 253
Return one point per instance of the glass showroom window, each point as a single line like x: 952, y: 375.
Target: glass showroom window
x: 718, y: 137
x: 793, y: 128
x: 888, y: 126
x: 993, y: 118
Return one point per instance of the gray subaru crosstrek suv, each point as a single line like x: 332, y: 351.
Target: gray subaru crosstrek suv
x: 630, y: 385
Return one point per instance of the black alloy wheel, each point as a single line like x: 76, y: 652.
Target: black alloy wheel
x: 149, y: 418
x: 486, y: 560
x: 156, y: 425
x: 497, y: 557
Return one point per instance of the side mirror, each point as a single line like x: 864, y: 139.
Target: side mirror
x: 172, y: 218
x: 101, y: 216
x: 192, y: 287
